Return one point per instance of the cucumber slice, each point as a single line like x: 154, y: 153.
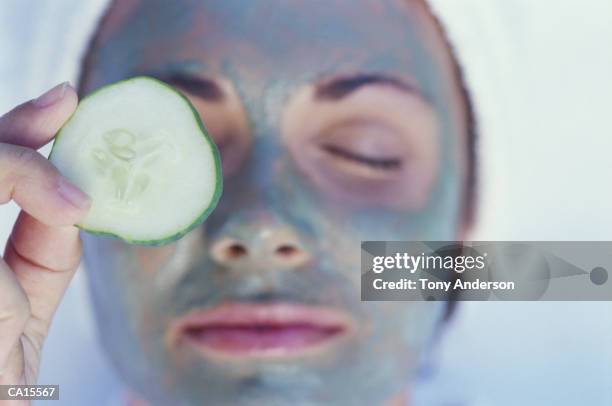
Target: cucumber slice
x: 139, y: 149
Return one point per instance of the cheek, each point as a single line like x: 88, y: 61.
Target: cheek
x: 151, y: 260
x: 340, y: 230
x: 128, y: 276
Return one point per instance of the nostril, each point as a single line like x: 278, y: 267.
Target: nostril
x: 291, y: 255
x: 286, y: 250
x: 228, y: 250
x: 235, y: 251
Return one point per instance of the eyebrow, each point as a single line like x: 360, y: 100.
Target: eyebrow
x: 205, y: 88
x: 339, y: 88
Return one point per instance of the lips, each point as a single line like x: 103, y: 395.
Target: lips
x: 246, y: 330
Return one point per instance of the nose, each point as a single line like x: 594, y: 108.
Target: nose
x: 275, y: 248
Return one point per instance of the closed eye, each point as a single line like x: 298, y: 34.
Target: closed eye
x: 383, y: 163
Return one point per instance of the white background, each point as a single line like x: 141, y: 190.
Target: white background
x: 546, y: 174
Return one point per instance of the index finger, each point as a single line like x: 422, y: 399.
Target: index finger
x: 34, y: 123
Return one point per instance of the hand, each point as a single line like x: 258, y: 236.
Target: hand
x: 44, y: 249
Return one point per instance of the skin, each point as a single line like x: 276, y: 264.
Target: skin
x: 292, y: 179
x: 282, y: 189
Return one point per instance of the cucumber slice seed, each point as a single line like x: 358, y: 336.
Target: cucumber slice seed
x: 139, y: 149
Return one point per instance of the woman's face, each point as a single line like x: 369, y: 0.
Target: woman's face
x: 337, y: 122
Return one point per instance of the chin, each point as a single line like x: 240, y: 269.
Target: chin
x: 356, y: 371
x: 352, y: 372
x: 281, y: 384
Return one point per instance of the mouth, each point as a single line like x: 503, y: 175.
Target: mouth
x: 247, y: 330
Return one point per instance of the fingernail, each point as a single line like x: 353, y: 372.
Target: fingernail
x: 73, y: 195
x: 51, y: 96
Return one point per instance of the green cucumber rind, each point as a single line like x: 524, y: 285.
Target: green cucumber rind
x: 216, y: 157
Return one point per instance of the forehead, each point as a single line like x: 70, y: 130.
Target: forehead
x: 284, y: 37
